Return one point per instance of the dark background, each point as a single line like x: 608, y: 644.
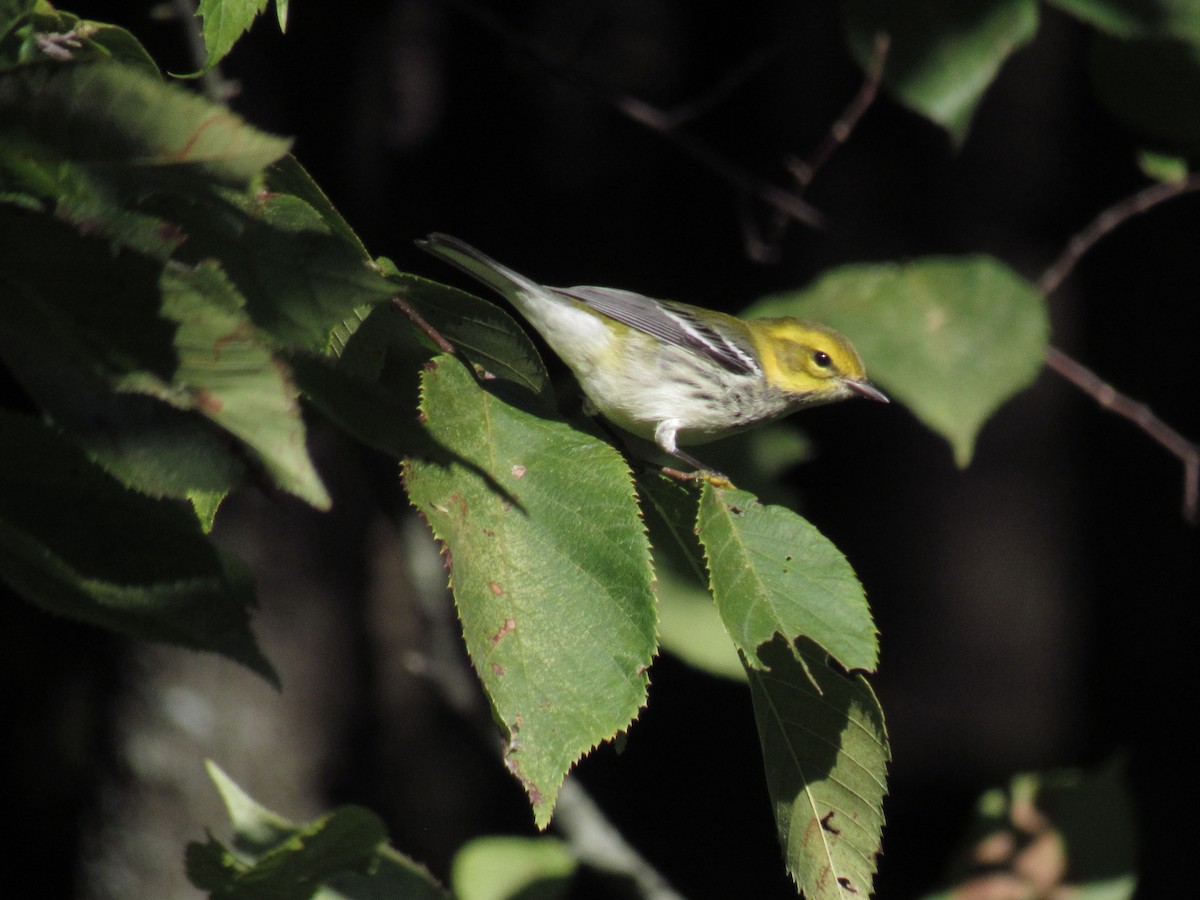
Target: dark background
x: 1035, y: 608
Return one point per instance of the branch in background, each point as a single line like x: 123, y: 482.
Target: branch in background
x: 1092, y: 384
x: 786, y: 203
x: 763, y: 245
x: 1141, y: 415
x: 805, y: 171
x: 1115, y: 215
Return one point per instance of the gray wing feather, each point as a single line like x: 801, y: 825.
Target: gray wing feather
x: 674, y: 323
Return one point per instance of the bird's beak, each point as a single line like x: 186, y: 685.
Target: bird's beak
x: 864, y: 388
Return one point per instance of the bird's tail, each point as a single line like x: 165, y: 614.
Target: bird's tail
x: 478, y: 265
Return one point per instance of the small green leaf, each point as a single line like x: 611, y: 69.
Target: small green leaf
x: 772, y: 573
x: 225, y: 21
x: 1160, y: 167
x: 75, y: 542
x: 507, y: 868
x: 287, y: 176
x: 825, y: 751
x: 279, y: 860
x: 944, y: 54
x: 550, y: 568
x: 951, y: 338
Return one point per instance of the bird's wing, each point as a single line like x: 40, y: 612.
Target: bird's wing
x: 674, y: 323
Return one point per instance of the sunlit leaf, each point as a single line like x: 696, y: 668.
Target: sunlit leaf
x: 550, y: 568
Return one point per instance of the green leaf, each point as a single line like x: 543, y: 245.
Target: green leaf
x: 951, y: 338
x: 277, y: 860
x: 76, y: 543
x: 228, y: 374
x: 772, y: 573
x: 225, y: 21
x: 1160, y: 167
x: 119, y: 120
x: 1151, y: 87
x: 825, y: 751
x: 507, y: 868
x: 1138, y: 18
x: 287, y: 176
x: 558, y: 615
x: 944, y: 54
x: 483, y: 332
x: 299, y: 279
x: 1068, y: 832
x: 70, y: 334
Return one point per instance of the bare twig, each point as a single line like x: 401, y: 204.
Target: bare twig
x: 1141, y: 415
x: 432, y: 333
x: 1115, y: 215
x: 596, y: 841
x: 805, y: 170
x: 656, y: 120
x: 763, y: 246
x: 1108, y: 397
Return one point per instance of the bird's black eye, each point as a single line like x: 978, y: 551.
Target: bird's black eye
x: 821, y: 358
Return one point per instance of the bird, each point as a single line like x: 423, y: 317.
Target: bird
x: 677, y: 374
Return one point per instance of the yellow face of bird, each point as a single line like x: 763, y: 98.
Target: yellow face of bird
x: 802, y: 357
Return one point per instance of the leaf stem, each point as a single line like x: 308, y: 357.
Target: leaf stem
x: 417, y: 319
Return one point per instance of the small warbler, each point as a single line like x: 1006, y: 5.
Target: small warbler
x: 676, y: 373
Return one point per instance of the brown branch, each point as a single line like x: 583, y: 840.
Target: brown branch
x: 1108, y: 397
x: 432, y: 333
x: 1112, y: 217
x: 763, y: 246
x: 1141, y: 415
x: 650, y: 117
x: 805, y: 171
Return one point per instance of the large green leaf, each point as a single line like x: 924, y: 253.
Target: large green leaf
x: 1138, y: 18
x: 338, y: 856
x: 944, y: 54
x: 75, y: 542
x: 825, y: 751
x: 951, y: 338
x: 550, y: 568
x: 109, y: 115
x: 772, y: 573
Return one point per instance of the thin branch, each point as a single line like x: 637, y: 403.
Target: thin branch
x: 1108, y: 397
x: 1141, y: 415
x: 806, y: 170
x: 432, y: 333
x: 654, y: 119
x: 763, y: 245
x: 1112, y: 217
x: 596, y: 841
